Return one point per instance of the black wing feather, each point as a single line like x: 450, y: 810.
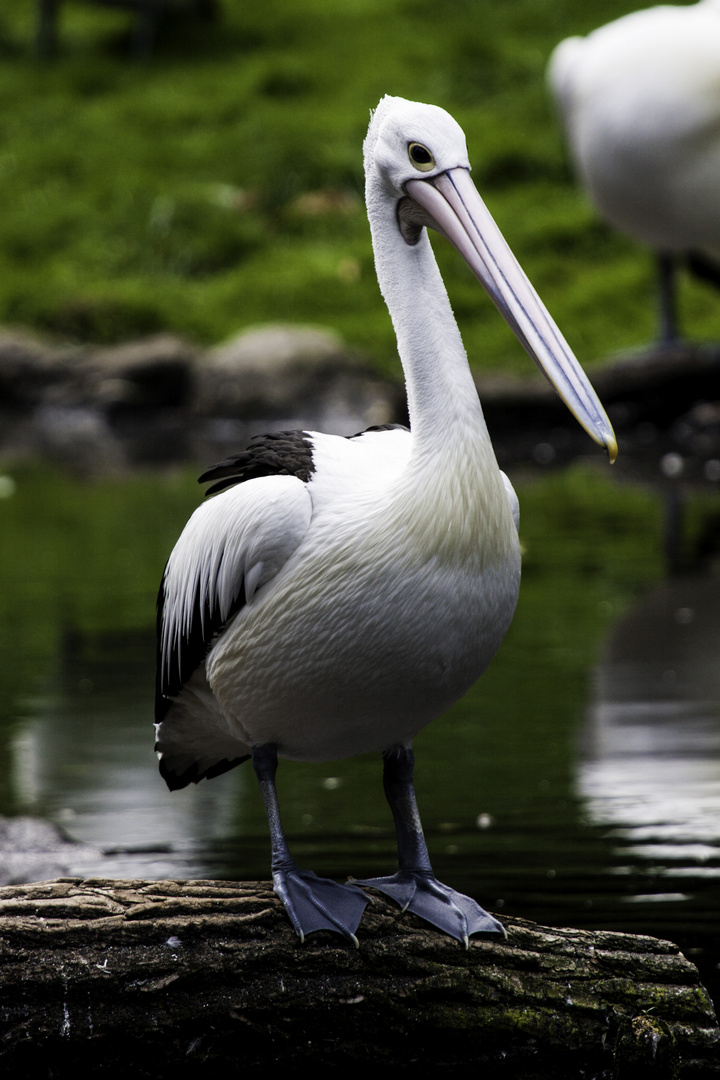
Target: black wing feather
x: 278, y: 453
x: 194, y: 774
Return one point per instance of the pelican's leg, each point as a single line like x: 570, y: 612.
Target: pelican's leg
x: 312, y: 902
x: 414, y: 886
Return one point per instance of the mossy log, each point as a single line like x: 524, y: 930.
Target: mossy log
x: 173, y: 978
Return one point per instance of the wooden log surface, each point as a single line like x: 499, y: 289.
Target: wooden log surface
x: 172, y: 978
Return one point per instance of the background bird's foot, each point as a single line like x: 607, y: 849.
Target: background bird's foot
x: 448, y: 910
x: 315, y: 903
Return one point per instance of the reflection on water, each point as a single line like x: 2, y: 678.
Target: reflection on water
x: 82, y: 756
x: 650, y: 766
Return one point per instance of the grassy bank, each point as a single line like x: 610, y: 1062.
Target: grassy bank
x: 174, y: 193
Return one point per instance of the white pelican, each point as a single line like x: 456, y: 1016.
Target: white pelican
x: 337, y: 594
x: 640, y: 103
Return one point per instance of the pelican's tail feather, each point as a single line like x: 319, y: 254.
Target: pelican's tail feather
x: 193, y: 740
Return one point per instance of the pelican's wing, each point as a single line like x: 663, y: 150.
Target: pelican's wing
x: 232, y: 545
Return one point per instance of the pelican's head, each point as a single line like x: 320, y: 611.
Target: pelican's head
x: 401, y: 136
x: 416, y: 156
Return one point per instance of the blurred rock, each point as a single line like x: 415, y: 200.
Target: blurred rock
x: 153, y: 373
x: 30, y: 369
x: 300, y: 372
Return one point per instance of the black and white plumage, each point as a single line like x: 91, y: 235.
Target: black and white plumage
x: 335, y: 595
x: 640, y: 103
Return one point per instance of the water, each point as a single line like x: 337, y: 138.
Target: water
x: 577, y: 784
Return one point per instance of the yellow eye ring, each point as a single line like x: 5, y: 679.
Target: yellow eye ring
x: 420, y: 157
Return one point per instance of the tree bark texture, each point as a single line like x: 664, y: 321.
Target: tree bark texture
x: 160, y: 979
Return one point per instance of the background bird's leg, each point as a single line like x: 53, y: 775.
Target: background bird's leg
x: 704, y: 268
x: 667, y: 295
x: 414, y: 887
x: 312, y: 903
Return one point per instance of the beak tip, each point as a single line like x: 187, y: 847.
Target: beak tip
x: 611, y: 447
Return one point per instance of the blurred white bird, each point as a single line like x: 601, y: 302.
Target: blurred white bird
x: 336, y: 595
x: 640, y: 103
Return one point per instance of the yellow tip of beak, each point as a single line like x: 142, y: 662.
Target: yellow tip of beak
x: 612, y: 448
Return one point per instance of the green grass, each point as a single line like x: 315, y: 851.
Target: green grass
x: 139, y: 196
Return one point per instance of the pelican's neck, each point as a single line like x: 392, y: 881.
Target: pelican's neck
x: 452, y: 492
x: 442, y: 400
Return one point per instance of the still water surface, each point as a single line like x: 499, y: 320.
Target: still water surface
x: 577, y: 784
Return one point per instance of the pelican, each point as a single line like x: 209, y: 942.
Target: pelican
x: 640, y: 104
x: 335, y: 595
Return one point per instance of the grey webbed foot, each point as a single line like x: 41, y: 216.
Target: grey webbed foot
x: 311, y: 902
x: 443, y: 907
x: 316, y: 903
x: 414, y: 887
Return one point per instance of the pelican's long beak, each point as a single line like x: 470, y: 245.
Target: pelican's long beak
x: 457, y: 211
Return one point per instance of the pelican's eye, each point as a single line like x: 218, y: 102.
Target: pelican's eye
x: 421, y: 157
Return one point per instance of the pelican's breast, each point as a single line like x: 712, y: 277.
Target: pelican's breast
x: 392, y: 606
